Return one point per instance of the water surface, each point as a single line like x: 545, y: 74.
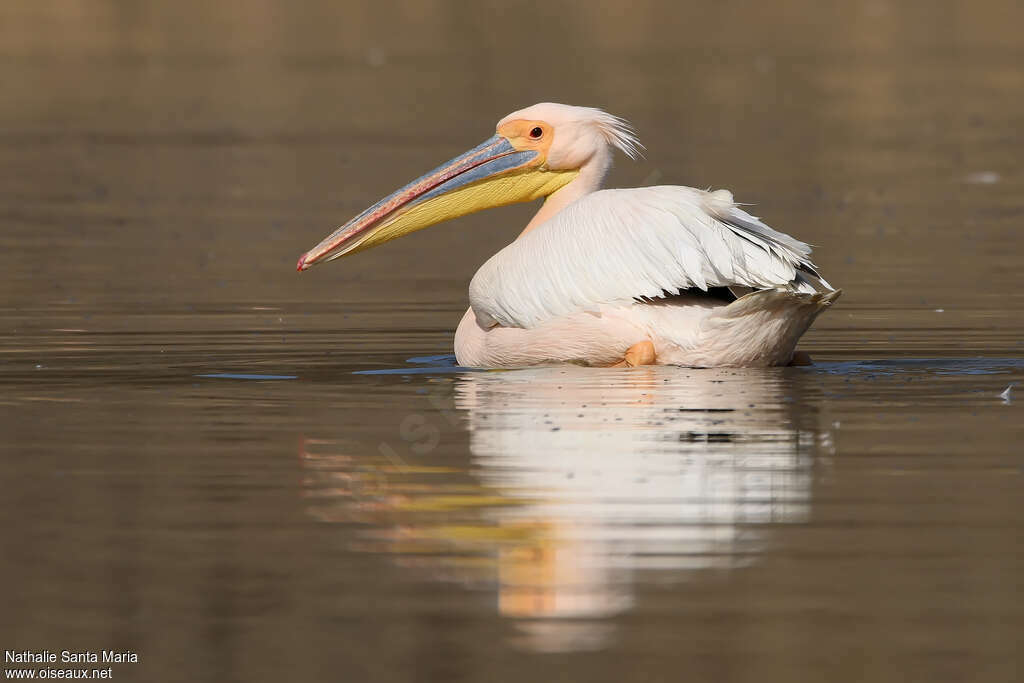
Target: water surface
x: 243, y: 473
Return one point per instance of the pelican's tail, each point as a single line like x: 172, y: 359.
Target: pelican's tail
x: 759, y: 329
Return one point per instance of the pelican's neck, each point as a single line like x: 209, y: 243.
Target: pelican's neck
x: 589, y: 180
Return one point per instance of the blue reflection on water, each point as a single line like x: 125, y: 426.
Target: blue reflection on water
x: 938, y: 366
x: 431, y: 365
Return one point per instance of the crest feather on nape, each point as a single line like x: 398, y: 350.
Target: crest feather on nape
x: 619, y: 133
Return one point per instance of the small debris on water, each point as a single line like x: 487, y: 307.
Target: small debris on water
x: 376, y: 57
x: 940, y: 310
x: 1007, y: 394
x: 982, y: 178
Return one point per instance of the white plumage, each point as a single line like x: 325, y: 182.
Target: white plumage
x: 620, y: 246
x: 599, y: 276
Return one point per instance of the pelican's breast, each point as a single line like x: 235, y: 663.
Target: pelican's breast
x: 592, y: 338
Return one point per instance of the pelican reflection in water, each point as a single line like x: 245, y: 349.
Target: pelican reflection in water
x: 650, y: 275
x: 578, y: 480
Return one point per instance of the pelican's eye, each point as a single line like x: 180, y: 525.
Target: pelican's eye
x: 536, y: 133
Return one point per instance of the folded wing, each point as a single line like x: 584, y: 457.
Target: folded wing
x: 618, y: 246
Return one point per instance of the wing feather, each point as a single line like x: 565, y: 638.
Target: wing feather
x: 616, y: 246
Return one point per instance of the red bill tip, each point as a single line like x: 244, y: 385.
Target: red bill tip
x: 302, y: 263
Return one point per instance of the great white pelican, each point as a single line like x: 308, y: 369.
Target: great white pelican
x: 618, y: 277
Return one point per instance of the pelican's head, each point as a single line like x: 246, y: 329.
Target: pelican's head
x: 535, y: 152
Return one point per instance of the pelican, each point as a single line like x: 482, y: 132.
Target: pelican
x: 615, y: 277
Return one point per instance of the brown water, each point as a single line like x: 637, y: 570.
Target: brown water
x: 364, y: 511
